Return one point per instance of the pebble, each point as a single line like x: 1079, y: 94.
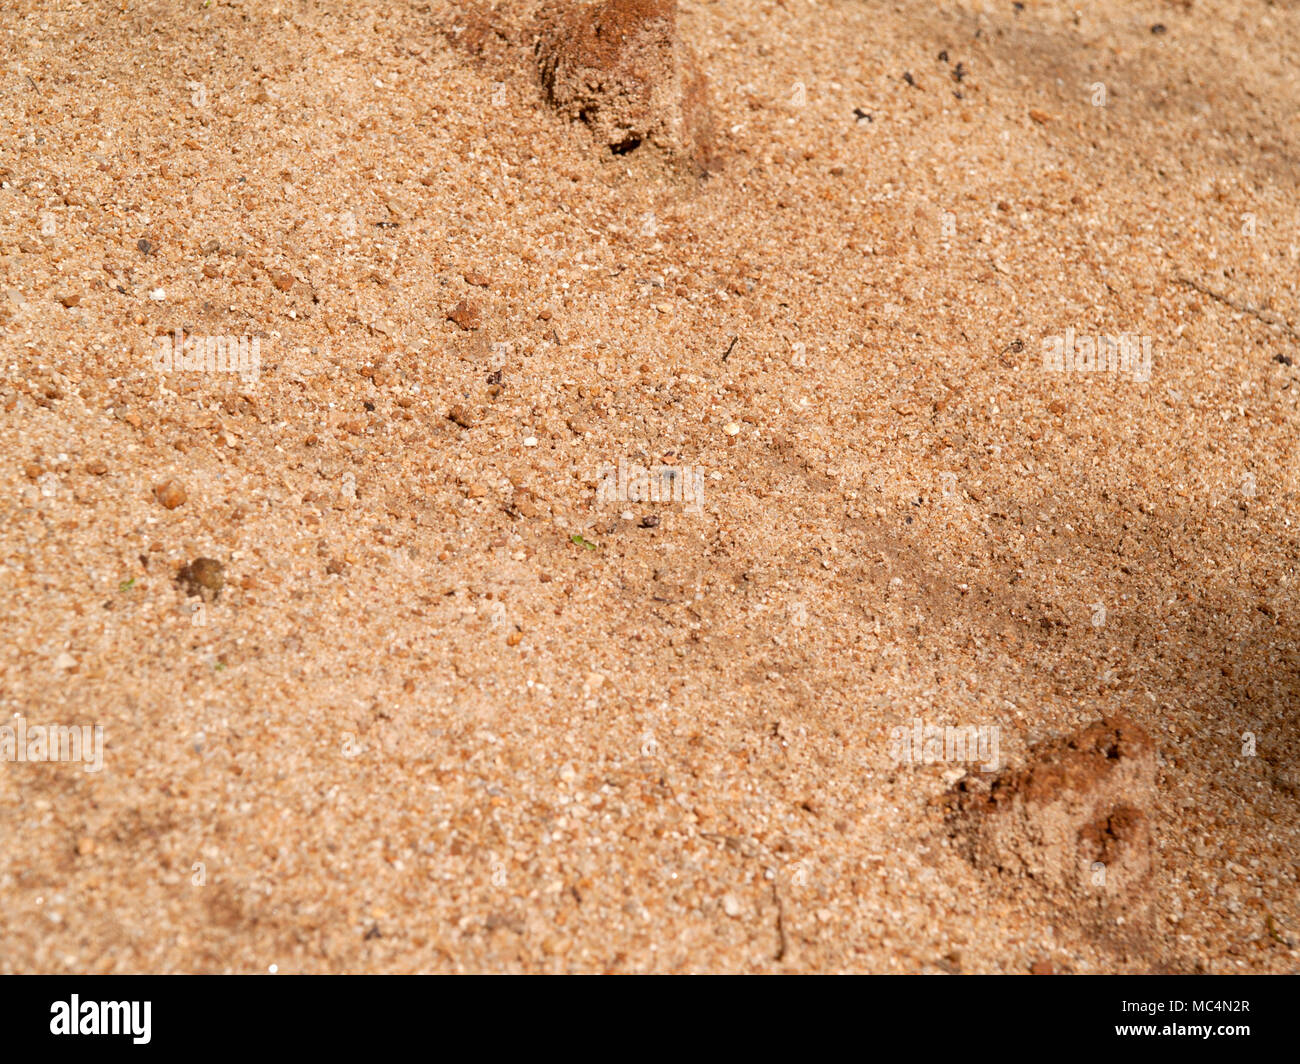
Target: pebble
x: 730, y: 905
x: 731, y: 428
x: 466, y: 314
x: 170, y: 493
x: 203, y: 574
x: 461, y: 416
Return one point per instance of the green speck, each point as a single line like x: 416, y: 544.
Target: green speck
x: 126, y: 585
x: 575, y: 538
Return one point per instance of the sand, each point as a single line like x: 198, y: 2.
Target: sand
x: 389, y: 683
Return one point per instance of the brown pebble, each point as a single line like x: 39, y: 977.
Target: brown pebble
x: 96, y: 468
x: 466, y: 315
x: 476, y: 277
x: 1041, y: 117
x: 336, y: 566
x: 1056, y: 406
x: 170, y: 493
x: 210, y: 271
x: 203, y: 574
x: 85, y: 847
x: 32, y: 470
x: 461, y: 417
x: 72, y: 299
x: 283, y: 281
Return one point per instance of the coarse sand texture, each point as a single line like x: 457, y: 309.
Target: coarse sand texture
x: 649, y: 486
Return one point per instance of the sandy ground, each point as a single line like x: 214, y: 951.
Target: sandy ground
x: 443, y: 706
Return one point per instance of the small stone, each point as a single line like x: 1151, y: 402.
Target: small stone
x: 731, y: 428
x: 530, y: 441
x: 1041, y: 117
x: 170, y: 493
x: 477, y: 278
x: 579, y: 426
x: 1056, y: 406
x: 203, y: 575
x: 72, y: 299
x: 96, y: 468
x: 33, y: 470
x: 650, y: 521
x: 282, y: 281
x: 336, y: 566
x: 730, y: 905
x: 85, y: 847
x: 462, y: 417
x: 210, y: 270
x: 65, y: 661
x: 466, y: 315
x: 158, y: 295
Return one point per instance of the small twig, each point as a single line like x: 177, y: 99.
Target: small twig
x: 34, y: 85
x: 729, y: 347
x: 780, y: 924
x: 1245, y: 308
